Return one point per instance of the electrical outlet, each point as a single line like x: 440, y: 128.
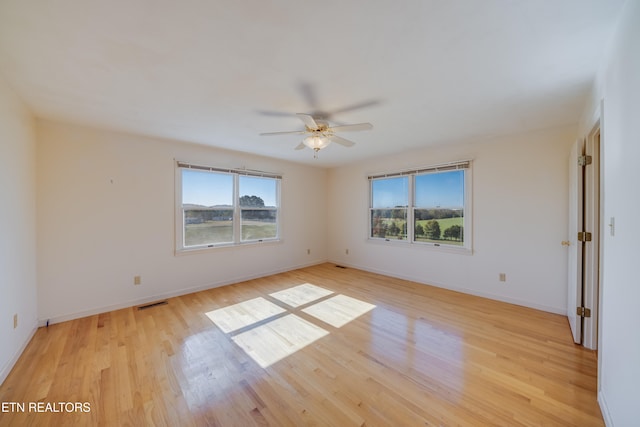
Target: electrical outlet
x: 308, y: 251
x: 346, y: 251
x: 503, y: 277
x: 15, y: 320
x: 137, y: 280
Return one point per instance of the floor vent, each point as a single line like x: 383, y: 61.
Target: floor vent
x: 340, y: 266
x: 153, y: 304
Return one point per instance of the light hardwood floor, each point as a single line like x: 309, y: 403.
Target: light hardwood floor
x: 348, y: 348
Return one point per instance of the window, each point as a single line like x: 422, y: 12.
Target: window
x: 258, y: 208
x: 428, y: 206
x: 389, y: 203
x: 438, y: 212
x: 218, y: 207
x: 207, y: 206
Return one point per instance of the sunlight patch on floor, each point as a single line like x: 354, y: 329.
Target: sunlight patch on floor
x: 301, y: 294
x: 339, y: 310
x: 268, y: 332
x: 243, y: 314
x: 273, y: 341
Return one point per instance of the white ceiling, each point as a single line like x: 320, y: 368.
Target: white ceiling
x: 220, y: 72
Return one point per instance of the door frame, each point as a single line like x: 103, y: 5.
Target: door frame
x: 587, y: 196
x: 592, y: 274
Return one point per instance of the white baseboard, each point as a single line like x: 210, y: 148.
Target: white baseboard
x: 541, y: 307
x: 6, y: 369
x: 604, y: 408
x: 161, y: 296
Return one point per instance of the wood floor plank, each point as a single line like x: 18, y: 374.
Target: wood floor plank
x: 394, y: 353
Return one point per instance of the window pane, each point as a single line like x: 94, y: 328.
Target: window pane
x: 258, y: 224
x: 205, y: 195
x: 207, y: 226
x: 258, y: 192
x: 439, y: 213
x: 206, y: 189
x: 389, y: 223
x: 445, y: 226
x: 390, y: 192
x: 440, y: 190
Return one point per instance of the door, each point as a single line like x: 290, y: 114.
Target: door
x: 576, y: 187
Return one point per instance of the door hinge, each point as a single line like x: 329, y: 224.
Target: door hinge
x: 584, y: 236
x: 583, y: 312
x: 584, y: 160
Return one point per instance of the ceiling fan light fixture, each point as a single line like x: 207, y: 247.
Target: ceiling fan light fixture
x: 316, y: 142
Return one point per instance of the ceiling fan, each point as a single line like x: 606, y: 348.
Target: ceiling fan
x: 320, y: 133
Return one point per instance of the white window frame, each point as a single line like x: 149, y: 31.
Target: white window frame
x: 465, y: 165
x: 237, y: 209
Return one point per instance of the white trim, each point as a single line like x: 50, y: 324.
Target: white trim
x: 604, y: 408
x: 203, y: 248
x: 427, y: 246
x: 602, y: 242
x: 239, y: 171
x: 594, y: 223
x: 440, y: 167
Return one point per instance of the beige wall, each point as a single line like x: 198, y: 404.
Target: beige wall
x: 520, y: 213
x: 17, y: 228
x: 106, y: 214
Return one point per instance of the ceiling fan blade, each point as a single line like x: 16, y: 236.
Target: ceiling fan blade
x: 358, y: 106
x: 354, y: 127
x: 275, y: 113
x: 309, y: 94
x: 344, y: 142
x: 293, y: 132
x: 300, y: 146
x: 309, y: 122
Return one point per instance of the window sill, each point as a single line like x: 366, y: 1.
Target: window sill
x: 422, y: 246
x: 222, y: 246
